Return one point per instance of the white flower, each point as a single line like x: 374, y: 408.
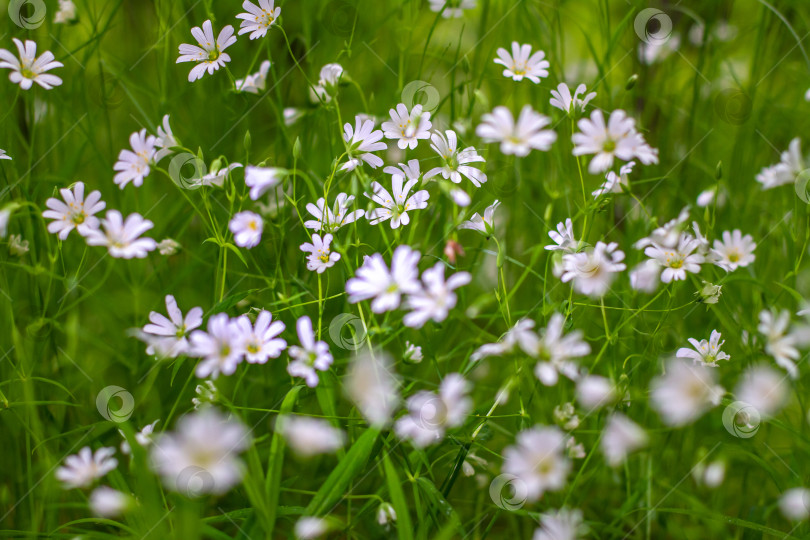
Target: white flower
x: 121, y: 237
x: 261, y: 179
x: 455, y: 162
x: 215, y: 177
x: 595, y: 391
x: 412, y: 354
x: 460, y: 197
x: 522, y: 63
x: 209, y: 55
x: 410, y: 170
x: 657, y: 49
x: 780, y: 343
x: 108, y: 502
x: 563, y: 237
x: 165, y: 140
x: 668, y: 234
x: 373, y: 387
x: 764, y: 389
x: 570, y: 105
x: 247, y: 229
x: 255, y: 83
x: 679, y: 260
x: 309, y: 528
x: 735, y: 251
x: 705, y: 352
x: 616, y: 139
x: 560, y: 525
x: 320, y: 256
x: 82, y: 469
x: 621, y: 437
x: 786, y: 170
x: 538, y: 460
x: 451, y: 8
x: 407, y: 127
x: 685, y: 392
x: 395, y: 207
x: 29, y: 69
x: 485, y: 225
x: 292, y: 115
x: 75, y: 212
x: 133, y: 165
x: 17, y: 246
x: 170, y: 333
x: 142, y: 437
x: 430, y: 415
x: 711, y: 474
x: 795, y: 504
x: 327, y: 84
x: 201, y: 455
x: 310, y: 357
x: 362, y: 140
x: 646, y: 276
x: 520, y: 334
x: 614, y: 182
x: 436, y: 298
x: 374, y: 280
x: 3, y: 154
x: 258, y: 19
x: 260, y: 342
x: 330, y: 220
x: 218, y: 346
x: 168, y: 246
x: 310, y: 436
x: 593, y: 270
x: 386, y: 514
x: 516, y: 138
x: 66, y: 13
x: 556, y: 351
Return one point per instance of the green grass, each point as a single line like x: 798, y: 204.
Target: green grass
x: 66, y: 309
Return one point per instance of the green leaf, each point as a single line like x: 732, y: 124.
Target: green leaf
x: 275, y: 463
x: 404, y: 528
x: 347, y: 469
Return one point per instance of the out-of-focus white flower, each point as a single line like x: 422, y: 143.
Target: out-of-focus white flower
x: 764, y: 389
x: 435, y: 298
x: 168, y: 246
x: 593, y: 270
x: 786, y: 171
x: 386, y: 514
x: 735, y: 251
x: 595, y: 391
x: 310, y: 528
x: 108, y: 502
x: 167, y: 337
x: 66, y: 12
x: 247, y: 229
x: 374, y: 280
x: 645, y: 276
x: 556, y: 352
x: 201, y: 455
x: 561, y: 524
x: 781, y: 342
x: 795, y: 504
x: 373, y: 387
x: 522, y: 63
x: 218, y: 346
x: 310, y: 436
x: 310, y: 356
x: 142, y: 437
x: 538, y: 460
x: 261, y: 179
x: 520, y: 137
x: 451, y: 8
x: 685, y: 392
x: 82, y: 469
x: 621, y: 437
x: 430, y: 415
